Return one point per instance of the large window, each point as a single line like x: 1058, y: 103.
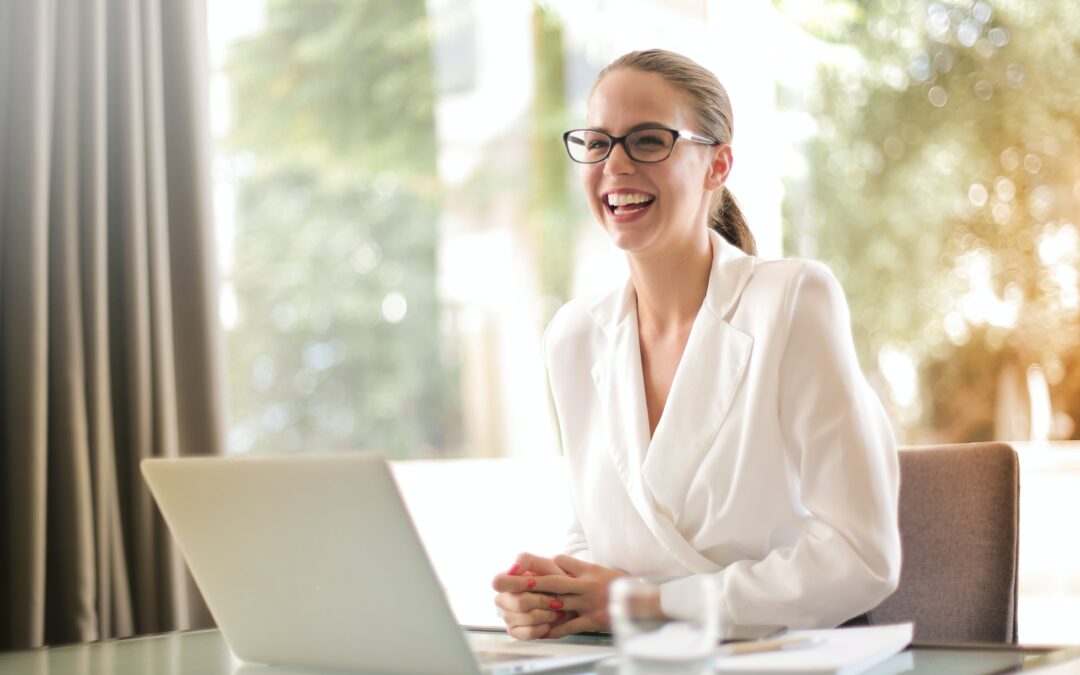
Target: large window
x: 398, y: 221
x: 336, y: 336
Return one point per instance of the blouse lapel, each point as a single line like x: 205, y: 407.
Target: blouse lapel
x: 621, y: 392
x: 656, y: 473
x: 707, y: 378
x: 710, y: 371
x: 619, y: 384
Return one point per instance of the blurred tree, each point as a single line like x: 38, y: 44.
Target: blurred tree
x: 945, y: 190
x: 337, y: 343
x: 553, y: 220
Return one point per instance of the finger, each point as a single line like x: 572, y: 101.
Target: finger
x: 571, y: 565
x: 525, y: 602
x: 529, y: 632
x: 570, y: 603
x: 513, y: 620
x: 575, y: 625
x: 538, y: 565
x: 504, y: 582
x: 516, y: 584
x: 512, y: 602
x: 515, y: 602
x: 559, y: 585
x: 533, y: 617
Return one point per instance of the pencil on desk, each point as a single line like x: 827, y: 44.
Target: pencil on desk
x: 769, y: 646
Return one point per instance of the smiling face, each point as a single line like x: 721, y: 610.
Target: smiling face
x: 650, y: 207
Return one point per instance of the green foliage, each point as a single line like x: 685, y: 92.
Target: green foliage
x: 552, y: 218
x: 945, y: 191
x: 333, y: 119
x: 338, y: 84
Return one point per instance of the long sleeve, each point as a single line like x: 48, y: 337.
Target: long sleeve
x: 840, y: 446
x: 576, y: 543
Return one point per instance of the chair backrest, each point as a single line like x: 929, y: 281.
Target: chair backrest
x: 959, y: 516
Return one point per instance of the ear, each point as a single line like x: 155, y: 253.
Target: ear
x: 719, y: 168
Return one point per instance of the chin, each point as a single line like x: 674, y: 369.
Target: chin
x: 629, y: 239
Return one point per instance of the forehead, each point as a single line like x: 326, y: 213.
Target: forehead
x: 627, y: 97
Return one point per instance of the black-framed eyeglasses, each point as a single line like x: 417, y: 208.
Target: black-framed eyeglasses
x: 654, y: 144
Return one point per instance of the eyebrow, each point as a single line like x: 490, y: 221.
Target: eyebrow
x: 636, y: 127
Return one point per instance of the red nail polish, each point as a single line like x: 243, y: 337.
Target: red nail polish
x: 530, y: 583
x: 513, y: 569
x: 559, y: 616
x: 555, y: 604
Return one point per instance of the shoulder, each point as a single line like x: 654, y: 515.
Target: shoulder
x: 790, y: 294
x: 574, y: 325
x: 571, y: 342
x: 785, y: 273
x: 784, y: 283
x: 570, y: 321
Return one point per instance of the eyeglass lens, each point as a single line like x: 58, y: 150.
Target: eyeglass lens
x: 645, y: 145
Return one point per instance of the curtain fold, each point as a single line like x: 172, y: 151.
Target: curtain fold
x: 23, y: 316
x: 110, y: 350
x: 70, y: 569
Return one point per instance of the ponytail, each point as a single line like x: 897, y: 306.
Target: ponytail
x: 728, y: 220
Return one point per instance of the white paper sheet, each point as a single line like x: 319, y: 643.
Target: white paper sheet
x: 842, y: 651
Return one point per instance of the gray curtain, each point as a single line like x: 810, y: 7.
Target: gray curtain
x: 109, y: 345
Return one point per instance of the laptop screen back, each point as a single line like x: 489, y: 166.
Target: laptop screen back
x: 310, y: 560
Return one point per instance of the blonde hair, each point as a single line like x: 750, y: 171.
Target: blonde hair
x: 712, y: 108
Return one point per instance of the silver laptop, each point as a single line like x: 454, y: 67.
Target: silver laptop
x: 313, y: 561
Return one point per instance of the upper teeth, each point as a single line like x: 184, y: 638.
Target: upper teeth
x: 624, y: 198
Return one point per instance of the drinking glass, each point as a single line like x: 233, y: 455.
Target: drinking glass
x: 650, y: 642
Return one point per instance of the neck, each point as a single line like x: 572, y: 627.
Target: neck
x: 671, y: 286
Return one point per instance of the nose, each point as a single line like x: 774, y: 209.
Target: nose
x: 618, y: 162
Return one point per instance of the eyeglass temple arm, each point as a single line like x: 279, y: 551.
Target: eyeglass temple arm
x: 691, y: 136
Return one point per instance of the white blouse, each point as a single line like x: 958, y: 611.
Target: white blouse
x: 773, y: 466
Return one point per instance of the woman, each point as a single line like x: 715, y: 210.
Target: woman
x: 712, y: 410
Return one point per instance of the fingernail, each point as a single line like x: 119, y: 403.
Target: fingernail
x: 555, y: 604
x: 513, y: 569
x: 559, y: 616
x: 530, y: 583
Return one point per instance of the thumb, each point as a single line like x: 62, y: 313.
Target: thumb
x: 537, y: 565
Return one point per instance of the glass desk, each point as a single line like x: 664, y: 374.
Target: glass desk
x: 205, y: 652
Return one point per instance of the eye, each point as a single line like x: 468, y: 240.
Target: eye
x: 651, y: 141
x: 597, y: 144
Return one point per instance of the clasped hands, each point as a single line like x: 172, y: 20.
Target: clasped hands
x: 551, y: 597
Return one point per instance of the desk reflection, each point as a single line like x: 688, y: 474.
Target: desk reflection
x: 205, y: 653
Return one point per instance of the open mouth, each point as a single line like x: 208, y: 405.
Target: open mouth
x: 627, y: 203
